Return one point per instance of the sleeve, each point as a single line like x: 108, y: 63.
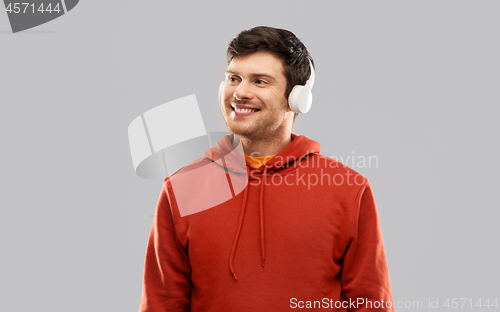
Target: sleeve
x: 167, y: 273
x: 365, y: 277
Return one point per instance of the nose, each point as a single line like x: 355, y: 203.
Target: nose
x: 243, y: 92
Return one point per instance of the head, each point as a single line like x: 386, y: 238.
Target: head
x: 269, y: 49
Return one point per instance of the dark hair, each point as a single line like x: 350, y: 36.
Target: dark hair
x: 282, y: 43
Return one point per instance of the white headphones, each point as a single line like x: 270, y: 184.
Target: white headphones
x: 300, y: 98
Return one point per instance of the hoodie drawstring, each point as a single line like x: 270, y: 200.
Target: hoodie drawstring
x: 240, y: 223
x: 262, y: 241
x: 238, y: 230
x: 242, y: 216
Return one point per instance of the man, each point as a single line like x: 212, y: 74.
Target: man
x: 302, y: 231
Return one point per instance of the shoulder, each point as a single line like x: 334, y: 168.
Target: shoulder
x: 195, y: 164
x: 200, y: 185
x: 187, y: 174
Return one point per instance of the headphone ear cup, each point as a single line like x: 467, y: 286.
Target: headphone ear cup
x: 300, y: 99
x: 221, y: 90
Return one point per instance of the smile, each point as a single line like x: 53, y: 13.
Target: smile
x: 241, y: 110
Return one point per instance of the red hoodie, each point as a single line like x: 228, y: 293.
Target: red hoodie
x: 301, y: 231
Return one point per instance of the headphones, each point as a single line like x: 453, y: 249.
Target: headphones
x: 300, y: 98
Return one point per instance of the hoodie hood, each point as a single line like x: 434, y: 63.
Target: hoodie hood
x: 231, y: 158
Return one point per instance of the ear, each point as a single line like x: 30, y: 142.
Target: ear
x: 288, y: 109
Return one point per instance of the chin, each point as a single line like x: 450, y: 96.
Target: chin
x: 237, y: 131
x: 240, y: 131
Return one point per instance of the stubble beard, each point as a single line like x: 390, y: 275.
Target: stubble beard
x: 258, y: 130
x: 263, y: 128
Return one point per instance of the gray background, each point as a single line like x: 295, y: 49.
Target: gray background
x: 414, y: 83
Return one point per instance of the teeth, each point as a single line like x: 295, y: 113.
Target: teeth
x: 244, y: 110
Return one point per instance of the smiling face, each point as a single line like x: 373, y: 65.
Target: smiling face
x: 253, y: 101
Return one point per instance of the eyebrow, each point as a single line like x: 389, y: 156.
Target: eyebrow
x: 253, y: 75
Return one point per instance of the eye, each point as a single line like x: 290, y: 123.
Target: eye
x: 260, y: 82
x: 232, y: 79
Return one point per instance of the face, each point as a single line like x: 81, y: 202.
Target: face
x: 253, y: 101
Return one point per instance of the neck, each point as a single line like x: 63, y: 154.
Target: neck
x: 265, y: 147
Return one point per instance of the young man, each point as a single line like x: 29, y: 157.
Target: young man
x: 302, y: 231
